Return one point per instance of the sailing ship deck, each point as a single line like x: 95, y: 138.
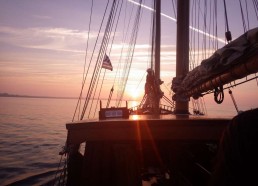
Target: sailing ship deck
x: 120, y: 151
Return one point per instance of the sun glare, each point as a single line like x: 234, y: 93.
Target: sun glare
x: 134, y: 93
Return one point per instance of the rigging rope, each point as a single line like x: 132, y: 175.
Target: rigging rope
x: 110, y: 96
x: 233, y: 99
x: 110, y: 25
x: 192, y: 38
x: 227, y: 33
x: 85, y: 59
x: 256, y: 79
x: 125, y: 34
x: 247, y: 15
x: 218, y: 94
x: 242, y: 14
x: 204, y: 29
x: 202, y: 46
x: 106, y: 38
x: 109, y: 50
x: 255, y: 3
x: 98, y: 96
x: 203, y: 105
x: 130, y: 53
x: 174, y: 9
x: 125, y: 31
x: 153, y: 33
x: 84, y: 80
x: 97, y: 65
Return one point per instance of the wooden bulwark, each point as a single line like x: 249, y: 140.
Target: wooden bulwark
x: 159, y: 129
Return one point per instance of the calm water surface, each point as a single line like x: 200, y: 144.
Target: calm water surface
x: 32, y: 132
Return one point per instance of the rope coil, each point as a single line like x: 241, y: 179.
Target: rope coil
x: 219, y: 94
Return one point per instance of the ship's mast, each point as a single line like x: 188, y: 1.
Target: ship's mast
x: 182, y: 50
x: 157, y: 49
x: 157, y: 42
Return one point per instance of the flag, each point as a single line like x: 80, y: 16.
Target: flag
x: 107, y: 63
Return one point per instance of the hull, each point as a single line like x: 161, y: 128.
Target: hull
x: 173, y: 149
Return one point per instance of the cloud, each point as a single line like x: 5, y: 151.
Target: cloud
x: 43, y: 17
x: 66, y: 40
x: 55, y: 39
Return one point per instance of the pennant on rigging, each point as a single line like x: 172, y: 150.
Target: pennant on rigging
x: 107, y: 63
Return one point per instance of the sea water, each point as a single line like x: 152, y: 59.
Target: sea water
x: 32, y: 132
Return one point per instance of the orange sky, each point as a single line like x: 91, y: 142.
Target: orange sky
x: 42, y: 49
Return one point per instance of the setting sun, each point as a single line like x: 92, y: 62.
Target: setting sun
x: 134, y: 93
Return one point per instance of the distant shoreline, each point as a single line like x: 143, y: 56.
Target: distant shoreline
x: 28, y: 96
x: 48, y: 97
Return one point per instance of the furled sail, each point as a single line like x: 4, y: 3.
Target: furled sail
x: 240, y: 51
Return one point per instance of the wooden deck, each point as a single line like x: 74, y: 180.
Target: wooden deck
x: 117, y: 151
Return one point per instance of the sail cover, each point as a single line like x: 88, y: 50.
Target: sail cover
x: 222, y: 60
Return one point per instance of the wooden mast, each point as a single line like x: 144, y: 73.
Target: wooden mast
x: 157, y: 50
x: 182, y: 50
x: 157, y: 42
